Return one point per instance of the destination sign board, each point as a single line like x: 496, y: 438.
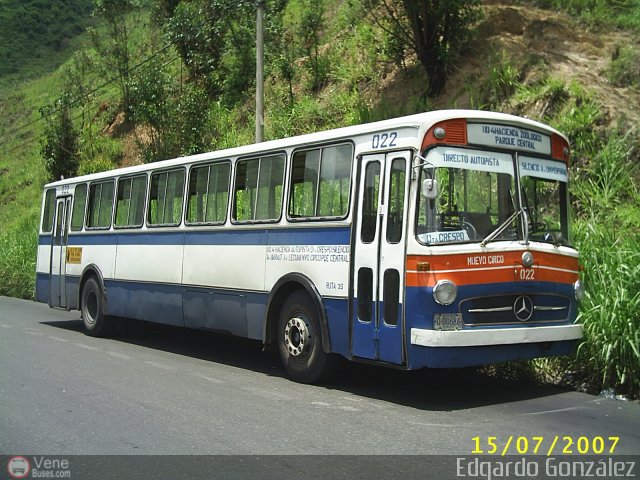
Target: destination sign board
x: 508, y: 136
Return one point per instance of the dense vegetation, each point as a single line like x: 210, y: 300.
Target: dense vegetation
x: 162, y: 78
x: 36, y: 33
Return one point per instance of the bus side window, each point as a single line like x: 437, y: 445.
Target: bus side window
x: 79, y: 205
x: 130, y: 201
x: 165, y: 198
x: 320, y: 182
x: 48, y: 210
x: 100, y: 205
x: 258, y: 189
x: 208, y: 195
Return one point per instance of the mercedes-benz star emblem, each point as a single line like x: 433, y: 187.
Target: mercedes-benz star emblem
x: 523, y: 308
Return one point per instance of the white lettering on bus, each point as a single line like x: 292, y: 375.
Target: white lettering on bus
x: 480, y: 260
x: 471, y: 159
x: 308, y: 253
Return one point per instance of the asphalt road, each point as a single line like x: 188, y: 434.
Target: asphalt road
x: 162, y: 390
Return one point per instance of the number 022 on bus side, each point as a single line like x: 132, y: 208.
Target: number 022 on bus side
x: 435, y: 240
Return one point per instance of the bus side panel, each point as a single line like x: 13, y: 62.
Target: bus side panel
x: 238, y: 313
x: 147, y: 277
x: 42, y: 268
x: 223, y: 274
x: 322, y: 255
x: 72, y: 291
x: 93, y: 249
x: 152, y: 302
x: 337, y: 311
x: 42, y: 287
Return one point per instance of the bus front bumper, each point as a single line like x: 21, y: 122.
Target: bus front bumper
x: 497, y: 336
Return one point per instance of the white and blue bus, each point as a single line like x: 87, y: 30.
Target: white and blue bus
x: 434, y: 240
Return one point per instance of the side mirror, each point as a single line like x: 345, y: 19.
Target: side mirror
x: 429, y: 188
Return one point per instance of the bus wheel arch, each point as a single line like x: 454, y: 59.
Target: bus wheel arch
x: 283, y: 289
x: 90, y: 271
x: 92, y: 301
x: 296, y: 325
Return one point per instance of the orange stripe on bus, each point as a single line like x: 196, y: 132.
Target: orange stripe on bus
x: 484, y: 268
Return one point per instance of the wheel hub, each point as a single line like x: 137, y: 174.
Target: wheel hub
x: 296, y: 336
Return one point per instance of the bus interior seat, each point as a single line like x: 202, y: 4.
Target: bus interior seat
x: 481, y: 222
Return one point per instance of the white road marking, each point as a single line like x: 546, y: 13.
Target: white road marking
x: 88, y: 347
x: 120, y: 355
x: 204, y: 377
x: 554, y: 411
x: 160, y: 365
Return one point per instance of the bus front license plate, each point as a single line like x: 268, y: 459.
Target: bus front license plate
x: 447, y: 321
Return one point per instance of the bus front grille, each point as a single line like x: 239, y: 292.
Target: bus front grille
x: 515, y: 308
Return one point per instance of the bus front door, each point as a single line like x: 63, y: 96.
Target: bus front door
x: 379, y: 258
x: 58, y: 266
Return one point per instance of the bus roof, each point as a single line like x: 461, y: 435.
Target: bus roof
x: 421, y: 120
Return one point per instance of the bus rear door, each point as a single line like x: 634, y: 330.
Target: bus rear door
x: 58, y: 266
x: 379, y: 258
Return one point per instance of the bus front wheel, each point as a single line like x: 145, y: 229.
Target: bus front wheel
x: 300, y: 340
x: 92, y: 308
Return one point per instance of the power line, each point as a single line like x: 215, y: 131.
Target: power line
x: 41, y: 136
x: 78, y: 99
x: 56, y: 110
x: 151, y: 57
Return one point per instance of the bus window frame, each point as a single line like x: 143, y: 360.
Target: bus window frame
x: 86, y: 217
x: 150, y: 174
x: 115, y: 200
x: 351, y: 177
x: 42, y: 215
x: 208, y: 163
x: 232, y: 193
x: 73, y: 205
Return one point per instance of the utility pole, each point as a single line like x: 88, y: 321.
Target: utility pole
x: 259, y: 72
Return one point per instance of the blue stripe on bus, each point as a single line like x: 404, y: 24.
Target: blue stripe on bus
x: 240, y: 313
x: 288, y: 236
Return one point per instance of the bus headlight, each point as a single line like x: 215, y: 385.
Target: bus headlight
x: 445, y: 292
x: 579, y: 290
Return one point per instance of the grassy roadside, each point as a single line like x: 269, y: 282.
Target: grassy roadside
x: 362, y: 85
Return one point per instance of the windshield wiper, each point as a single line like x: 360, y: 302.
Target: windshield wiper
x: 503, y: 226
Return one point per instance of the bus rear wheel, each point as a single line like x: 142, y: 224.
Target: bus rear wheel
x: 300, y: 340
x: 92, y: 308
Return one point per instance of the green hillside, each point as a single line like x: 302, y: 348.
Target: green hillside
x: 37, y: 35
x: 164, y: 78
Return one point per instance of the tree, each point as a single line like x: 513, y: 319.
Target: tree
x: 310, y: 28
x: 216, y: 39
x: 435, y: 30
x: 174, y: 112
x: 114, y: 47
x: 60, y: 147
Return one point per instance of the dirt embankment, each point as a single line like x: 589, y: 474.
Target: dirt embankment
x: 533, y: 38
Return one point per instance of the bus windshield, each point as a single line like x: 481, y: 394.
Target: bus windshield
x: 544, y: 199
x: 469, y: 195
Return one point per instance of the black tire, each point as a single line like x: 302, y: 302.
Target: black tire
x: 92, y: 308
x: 300, y: 340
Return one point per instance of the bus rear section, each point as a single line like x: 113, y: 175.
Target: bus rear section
x: 490, y: 272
